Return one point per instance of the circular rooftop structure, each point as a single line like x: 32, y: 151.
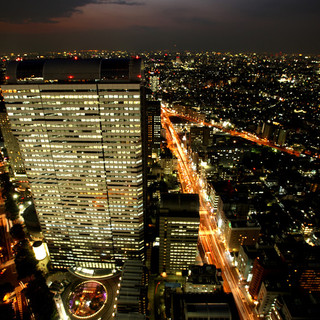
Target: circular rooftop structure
x: 97, y: 274
x: 87, y: 299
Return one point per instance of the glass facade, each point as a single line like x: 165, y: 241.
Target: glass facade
x: 82, y: 148
x: 178, y: 243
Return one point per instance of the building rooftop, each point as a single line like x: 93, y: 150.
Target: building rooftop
x: 204, y: 274
x: 74, y: 71
x: 210, y: 310
x: 302, y: 307
x: 180, y: 205
x: 241, y: 224
x: 250, y: 251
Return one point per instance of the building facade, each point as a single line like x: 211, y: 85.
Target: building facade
x: 178, y: 229
x: 132, y: 296
x: 153, y: 128
x: 238, y: 233
x: 80, y: 132
x: 11, y: 144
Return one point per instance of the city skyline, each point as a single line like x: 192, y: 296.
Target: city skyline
x: 270, y: 26
x: 231, y: 179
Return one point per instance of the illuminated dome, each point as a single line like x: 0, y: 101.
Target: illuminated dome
x: 87, y: 299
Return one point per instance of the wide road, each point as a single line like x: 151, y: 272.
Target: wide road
x: 214, y: 249
x: 243, y: 134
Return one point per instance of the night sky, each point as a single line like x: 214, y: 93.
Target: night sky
x: 218, y: 25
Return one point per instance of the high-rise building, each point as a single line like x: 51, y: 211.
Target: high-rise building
x: 154, y: 80
x: 270, y: 290
x: 267, y: 130
x: 11, y: 144
x: 179, y: 226
x: 240, y: 232
x: 132, y: 296
x: 201, y: 136
x: 282, y: 137
x: 153, y: 128
x: 79, y: 126
x: 267, y: 264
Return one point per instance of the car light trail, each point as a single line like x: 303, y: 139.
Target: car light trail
x: 212, y: 246
x: 243, y: 134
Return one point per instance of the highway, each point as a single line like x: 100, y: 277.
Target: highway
x: 243, y: 134
x: 213, y: 247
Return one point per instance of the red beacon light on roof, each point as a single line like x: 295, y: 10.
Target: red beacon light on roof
x: 70, y: 77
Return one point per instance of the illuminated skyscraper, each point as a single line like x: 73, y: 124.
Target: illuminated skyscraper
x: 178, y: 228
x: 78, y: 123
x: 11, y: 144
x: 153, y: 127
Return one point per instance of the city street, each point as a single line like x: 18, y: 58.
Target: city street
x: 213, y: 248
x: 242, y: 134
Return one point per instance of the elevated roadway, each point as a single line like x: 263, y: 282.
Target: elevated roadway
x: 243, y: 134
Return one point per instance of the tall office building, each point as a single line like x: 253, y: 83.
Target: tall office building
x: 79, y: 126
x: 11, y: 144
x: 178, y: 229
x: 153, y: 139
x: 154, y: 80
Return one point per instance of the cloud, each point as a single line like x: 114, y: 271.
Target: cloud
x: 188, y: 17
x: 199, y: 21
x: 123, y: 2
x: 144, y: 28
x: 46, y: 11
x: 273, y: 8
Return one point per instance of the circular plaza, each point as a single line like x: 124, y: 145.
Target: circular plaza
x: 87, y: 299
